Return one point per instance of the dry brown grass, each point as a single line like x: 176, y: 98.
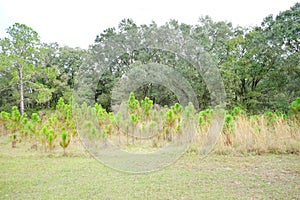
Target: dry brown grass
x: 256, y: 134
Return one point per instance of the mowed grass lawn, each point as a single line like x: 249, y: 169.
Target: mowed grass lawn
x: 27, y: 174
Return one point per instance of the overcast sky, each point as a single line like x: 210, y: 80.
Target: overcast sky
x: 77, y: 22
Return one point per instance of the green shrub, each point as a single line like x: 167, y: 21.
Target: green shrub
x: 204, y: 117
x: 295, y: 108
x: 237, y: 111
x: 229, y: 122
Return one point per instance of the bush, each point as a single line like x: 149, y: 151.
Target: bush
x: 295, y: 108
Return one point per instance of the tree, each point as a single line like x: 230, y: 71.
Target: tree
x: 213, y: 36
x: 60, y: 65
x: 20, y: 50
x: 261, y: 70
x: 120, y: 57
x: 283, y: 31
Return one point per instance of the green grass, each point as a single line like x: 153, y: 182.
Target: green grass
x: 27, y: 174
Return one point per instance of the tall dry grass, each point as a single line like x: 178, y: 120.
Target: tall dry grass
x: 256, y: 134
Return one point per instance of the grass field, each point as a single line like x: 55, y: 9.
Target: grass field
x: 30, y: 174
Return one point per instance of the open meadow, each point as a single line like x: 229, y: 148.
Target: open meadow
x: 31, y: 174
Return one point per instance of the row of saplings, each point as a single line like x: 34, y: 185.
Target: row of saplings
x: 41, y: 130
x: 138, y: 121
x: 138, y: 117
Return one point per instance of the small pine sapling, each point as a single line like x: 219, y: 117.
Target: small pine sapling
x: 132, y: 104
x: 228, y: 128
x: 4, y: 120
x: 14, y: 125
x: 188, y: 123
x: 14, y: 140
x: 177, y: 110
x: 34, y: 126
x: 44, y: 137
x: 101, y: 114
x: 14, y: 120
x: 133, y: 122
x: 51, y: 138
x: 169, y: 124
x: 204, y: 119
x: 146, y: 105
x: 65, y: 141
x: 25, y: 132
x: 117, y: 119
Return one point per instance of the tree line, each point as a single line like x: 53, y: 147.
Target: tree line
x: 259, y: 65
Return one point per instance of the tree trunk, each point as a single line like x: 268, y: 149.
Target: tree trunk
x: 119, y: 137
x: 133, y: 133
x: 14, y: 143
x: 21, y: 91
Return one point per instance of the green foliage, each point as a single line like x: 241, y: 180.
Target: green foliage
x: 170, y: 118
x: 21, y: 52
x: 179, y: 129
x: 60, y: 106
x: 51, y: 138
x: 295, y: 108
x: 4, y: 115
x: 101, y: 113
x: 65, y: 141
x: 259, y: 74
x: 134, y: 119
x: 104, y: 133
x: 15, y: 114
x: 163, y: 126
x: 229, y: 122
x: 189, y: 112
x: 205, y: 116
x: 133, y: 104
x: 89, y: 129
x: 15, y: 120
x: 35, y: 118
x: 237, y: 111
x: 4, y: 120
x: 177, y: 109
x: 146, y: 106
x: 47, y: 137
x: 271, y: 117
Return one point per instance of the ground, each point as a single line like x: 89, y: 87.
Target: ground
x: 27, y: 174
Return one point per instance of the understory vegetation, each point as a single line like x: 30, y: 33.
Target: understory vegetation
x: 139, y: 124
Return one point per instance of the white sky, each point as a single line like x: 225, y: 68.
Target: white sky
x: 77, y: 22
